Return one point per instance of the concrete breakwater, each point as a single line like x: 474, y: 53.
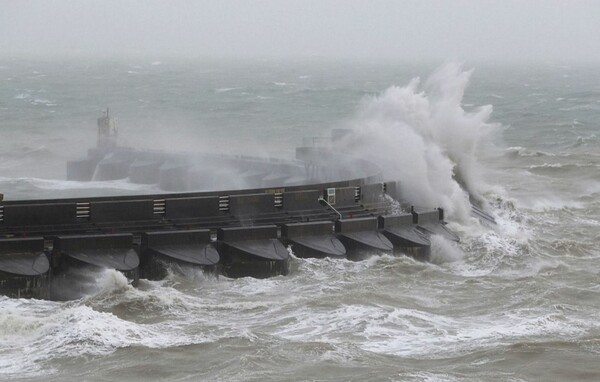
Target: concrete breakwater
x: 322, y: 204
x: 238, y: 233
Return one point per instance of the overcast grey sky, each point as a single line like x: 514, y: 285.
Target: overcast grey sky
x: 555, y: 30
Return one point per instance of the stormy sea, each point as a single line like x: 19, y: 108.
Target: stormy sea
x: 517, y: 300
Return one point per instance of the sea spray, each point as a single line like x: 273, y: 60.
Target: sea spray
x: 422, y: 136
x: 444, y: 251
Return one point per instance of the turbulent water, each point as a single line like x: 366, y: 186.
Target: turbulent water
x: 515, y: 301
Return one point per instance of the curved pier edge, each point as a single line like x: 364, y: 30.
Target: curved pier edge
x: 252, y: 251
x: 161, y: 250
x: 247, y: 259
x: 317, y: 246
x: 312, y: 239
x: 255, y: 251
x: 24, y: 267
x: 432, y: 223
x: 362, y: 238
x: 97, y: 251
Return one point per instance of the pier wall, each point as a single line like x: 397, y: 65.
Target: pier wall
x: 236, y: 232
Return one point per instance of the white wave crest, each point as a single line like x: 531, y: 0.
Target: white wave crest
x: 423, y: 137
x: 443, y: 251
x: 524, y: 152
x: 224, y: 90
x: 33, y: 333
x: 23, y: 96
x: 425, y: 334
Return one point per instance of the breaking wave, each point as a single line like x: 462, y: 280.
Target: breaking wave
x: 564, y: 169
x: 518, y: 151
x: 422, y: 136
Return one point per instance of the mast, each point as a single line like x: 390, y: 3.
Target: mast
x: 107, y: 132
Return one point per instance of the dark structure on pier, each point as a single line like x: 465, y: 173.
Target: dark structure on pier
x: 321, y: 204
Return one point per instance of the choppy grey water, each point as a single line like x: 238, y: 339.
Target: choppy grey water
x: 516, y: 301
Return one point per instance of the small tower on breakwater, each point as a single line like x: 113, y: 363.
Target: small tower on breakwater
x: 107, y: 132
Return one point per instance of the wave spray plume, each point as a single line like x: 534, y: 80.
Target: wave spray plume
x: 422, y: 136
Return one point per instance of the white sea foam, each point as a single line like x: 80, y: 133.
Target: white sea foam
x: 110, y: 280
x: 33, y: 332
x: 431, y: 336
x: 562, y: 165
x: 42, y: 101
x: 224, y: 90
x: 425, y: 376
x: 488, y: 249
x: 524, y: 152
x: 419, y: 333
x: 423, y: 137
x: 554, y: 202
x: 443, y: 251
